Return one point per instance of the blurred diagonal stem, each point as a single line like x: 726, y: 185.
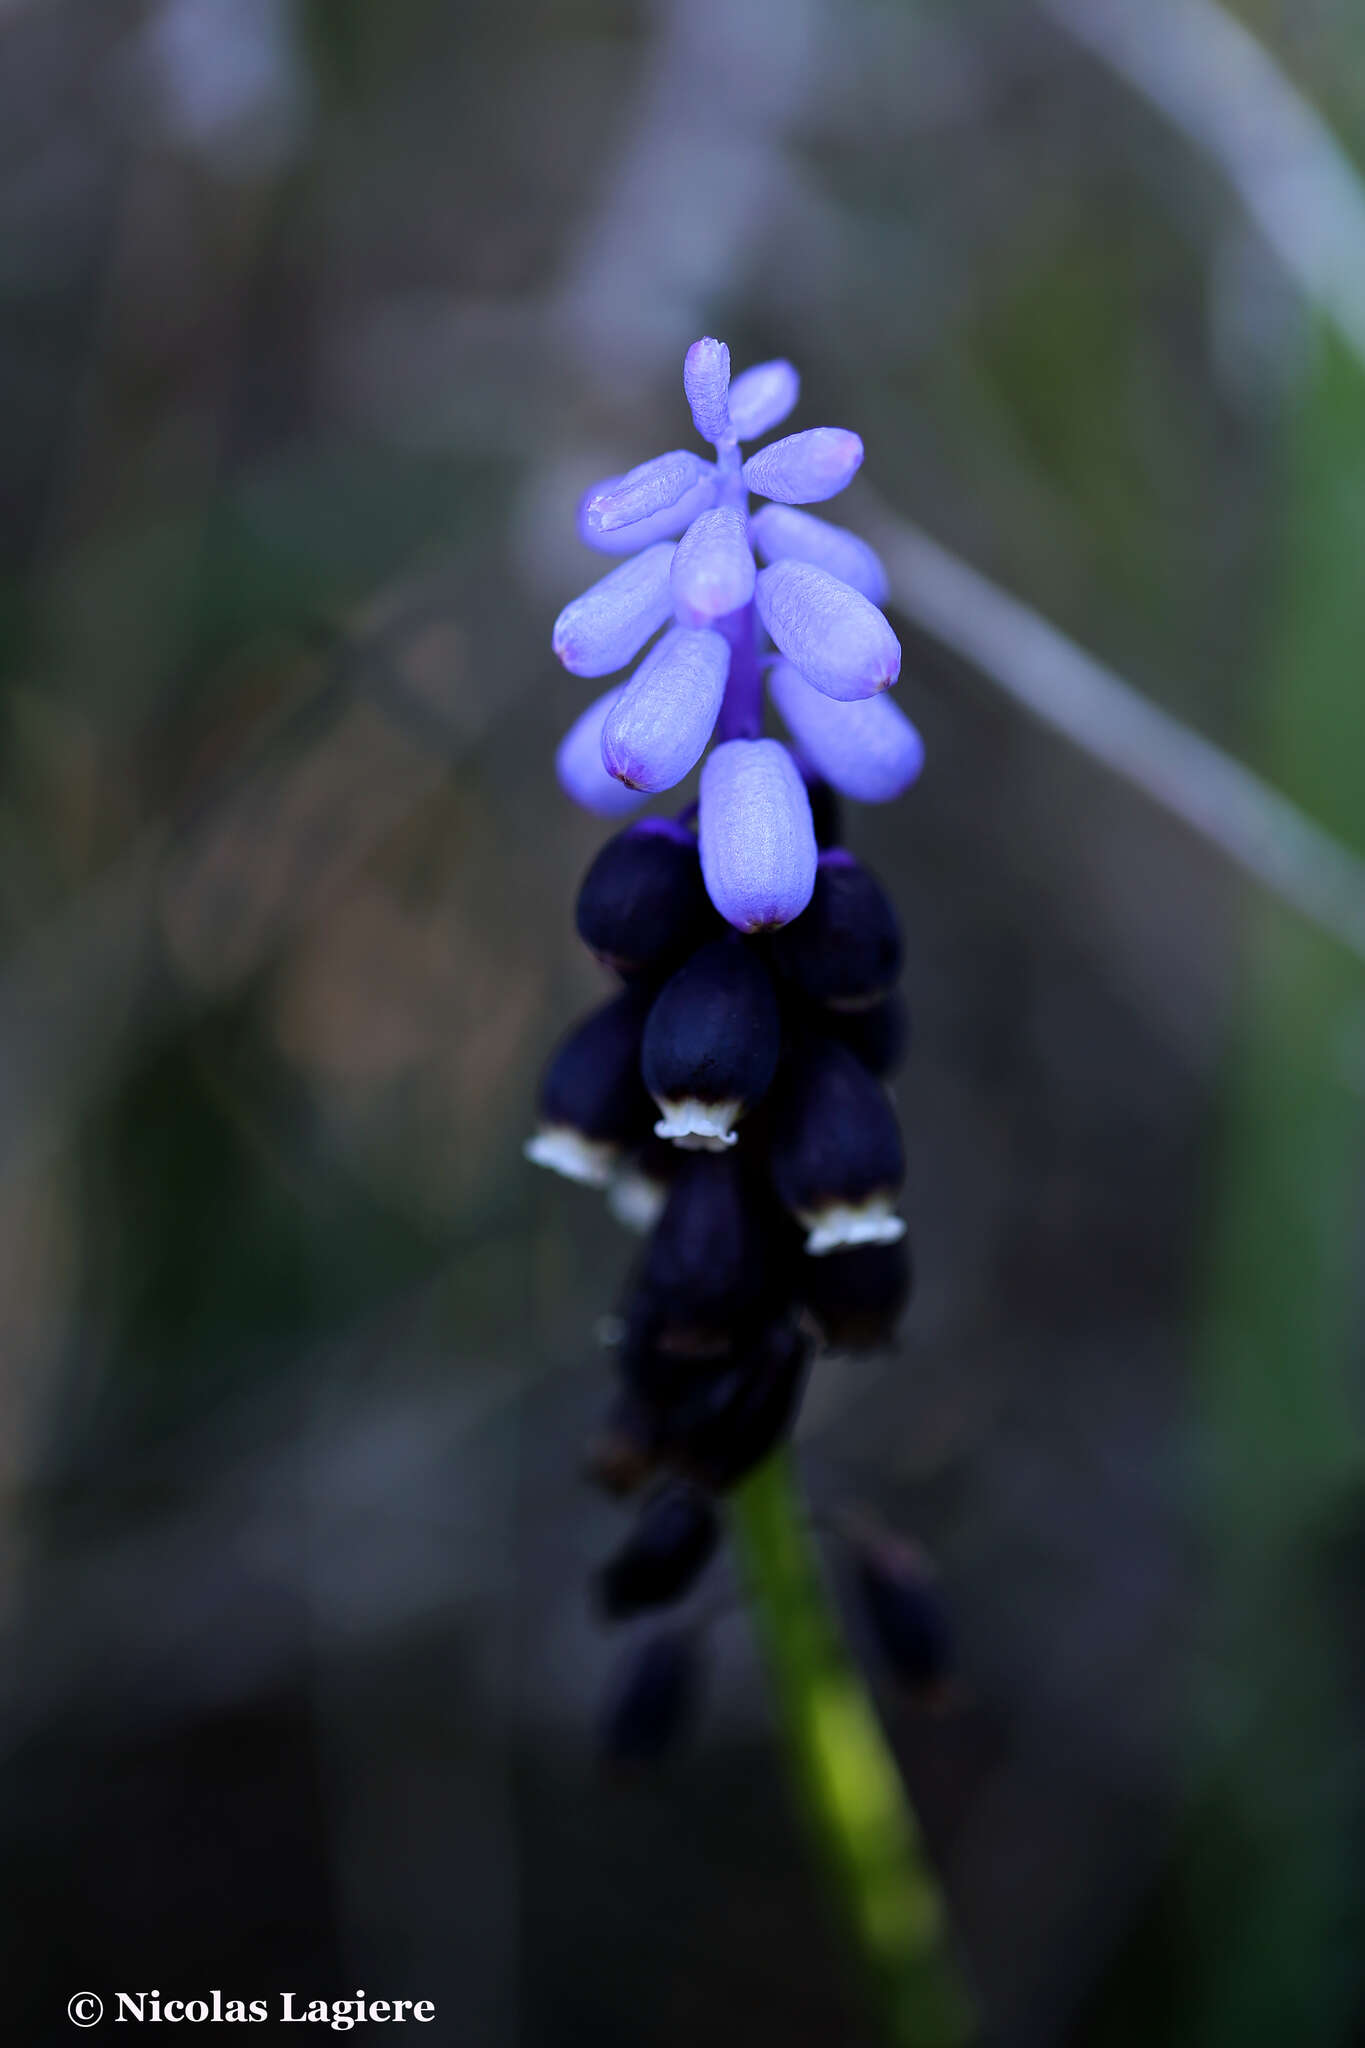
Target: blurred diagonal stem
x: 1252, y: 824
x: 846, y: 1776
x: 1208, y: 74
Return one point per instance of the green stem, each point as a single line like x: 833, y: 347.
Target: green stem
x: 845, y: 1772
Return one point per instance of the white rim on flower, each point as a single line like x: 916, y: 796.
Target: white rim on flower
x: 843, y: 1224
x: 586, y: 1160
x: 699, y: 1126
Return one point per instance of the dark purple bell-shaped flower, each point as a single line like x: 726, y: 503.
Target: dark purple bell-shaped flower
x: 826, y: 810
x: 906, y: 1613
x: 642, y: 906
x: 857, y: 1296
x: 639, y: 1185
x: 623, y: 1452
x: 710, y: 1255
x: 653, y: 1700
x: 674, y: 1538
x: 711, y: 1044
x: 878, y: 1035
x: 733, y: 1419
x: 844, y: 950
x: 593, y: 1105
x: 836, y: 1155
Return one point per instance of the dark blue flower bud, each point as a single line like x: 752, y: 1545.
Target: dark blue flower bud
x: 674, y: 1538
x: 711, y: 1044
x: 858, y: 1296
x: 836, y: 1153
x: 709, y: 1259
x: 664, y: 1358
x: 906, y: 1612
x: 623, y: 1453
x: 878, y: 1035
x: 826, y: 811
x: 734, y: 1419
x: 593, y: 1105
x: 639, y: 1184
x: 845, y: 948
x: 642, y: 906
x: 653, y: 1700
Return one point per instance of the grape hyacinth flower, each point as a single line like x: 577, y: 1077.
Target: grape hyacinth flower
x: 731, y: 1099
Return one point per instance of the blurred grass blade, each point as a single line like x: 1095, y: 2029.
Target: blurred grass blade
x: 1224, y: 90
x: 1253, y: 824
x: 1277, y: 1794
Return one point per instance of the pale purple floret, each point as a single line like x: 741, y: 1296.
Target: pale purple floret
x: 609, y: 624
x: 805, y: 468
x: 706, y: 380
x: 868, y: 750
x: 840, y: 642
x: 579, y: 766
x: 713, y: 567
x: 782, y: 533
x: 643, y: 492
x: 761, y: 398
x: 758, y: 851
x: 665, y: 525
x: 663, y: 718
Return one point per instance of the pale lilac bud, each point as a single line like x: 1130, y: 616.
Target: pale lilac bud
x: 757, y: 841
x: 761, y: 398
x: 804, y: 468
x: 706, y: 380
x: 579, y: 766
x: 783, y: 534
x: 664, y: 716
x: 713, y: 567
x: 840, y: 642
x: 643, y: 492
x: 602, y: 629
x: 642, y: 533
x: 867, y: 750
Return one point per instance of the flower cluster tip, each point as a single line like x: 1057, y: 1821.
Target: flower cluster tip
x: 733, y: 592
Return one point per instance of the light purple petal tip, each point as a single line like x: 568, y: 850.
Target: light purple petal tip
x: 761, y: 398
x: 840, y: 642
x: 868, y: 750
x: 804, y: 468
x: 642, y: 533
x: 757, y: 839
x: 578, y: 764
x: 604, y: 628
x: 659, y: 727
x: 706, y: 380
x: 781, y: 534
x: 713, y: 567
x: 642, y: 493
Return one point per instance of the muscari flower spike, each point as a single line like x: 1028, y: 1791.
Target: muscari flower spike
x: 731, y: 1100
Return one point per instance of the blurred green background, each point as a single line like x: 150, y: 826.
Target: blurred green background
x: 315, y: 316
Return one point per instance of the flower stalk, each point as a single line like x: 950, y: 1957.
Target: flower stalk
x: 732, y: 1100
x: 845, y: 1775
